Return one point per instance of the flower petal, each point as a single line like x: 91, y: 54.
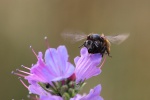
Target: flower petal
x: 56, y: 66
x: 83, y: 51
x: 93, y: 95
x: 50, y: 97
x: 86, y: 65
x: 57, y: 62
x: 40, y: 72
x: 36, y: 89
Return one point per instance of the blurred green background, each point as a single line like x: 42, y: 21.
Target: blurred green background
x: 125, y: 76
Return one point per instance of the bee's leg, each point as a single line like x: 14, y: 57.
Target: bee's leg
x: 102, y: 63
x: 103, y: 49
x: 108, y: 53
x: 82, y: 45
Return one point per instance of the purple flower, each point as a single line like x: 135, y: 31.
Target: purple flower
x: 55, y: 78
x: 86, y: 65
x: 56, y: 66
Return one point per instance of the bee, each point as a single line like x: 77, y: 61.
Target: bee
x: 96, y: 43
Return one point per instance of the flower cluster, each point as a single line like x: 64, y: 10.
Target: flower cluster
x: 55, y: 78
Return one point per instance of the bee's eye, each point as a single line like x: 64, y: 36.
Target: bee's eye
x: 89, y: 42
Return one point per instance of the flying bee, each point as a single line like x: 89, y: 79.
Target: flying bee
x: 96, y: 43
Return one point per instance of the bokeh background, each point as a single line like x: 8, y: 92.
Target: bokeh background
x: 125, y: 76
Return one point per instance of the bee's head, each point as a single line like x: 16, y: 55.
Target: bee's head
x: 90, y: 46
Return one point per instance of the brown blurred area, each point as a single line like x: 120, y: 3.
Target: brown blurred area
x: 125, y: 76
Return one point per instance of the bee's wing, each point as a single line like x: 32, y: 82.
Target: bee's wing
x: 117, y: 39
x: 73, y: 36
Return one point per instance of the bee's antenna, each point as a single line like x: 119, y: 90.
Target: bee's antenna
x: 110, y: 56
x: 81, y: 45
